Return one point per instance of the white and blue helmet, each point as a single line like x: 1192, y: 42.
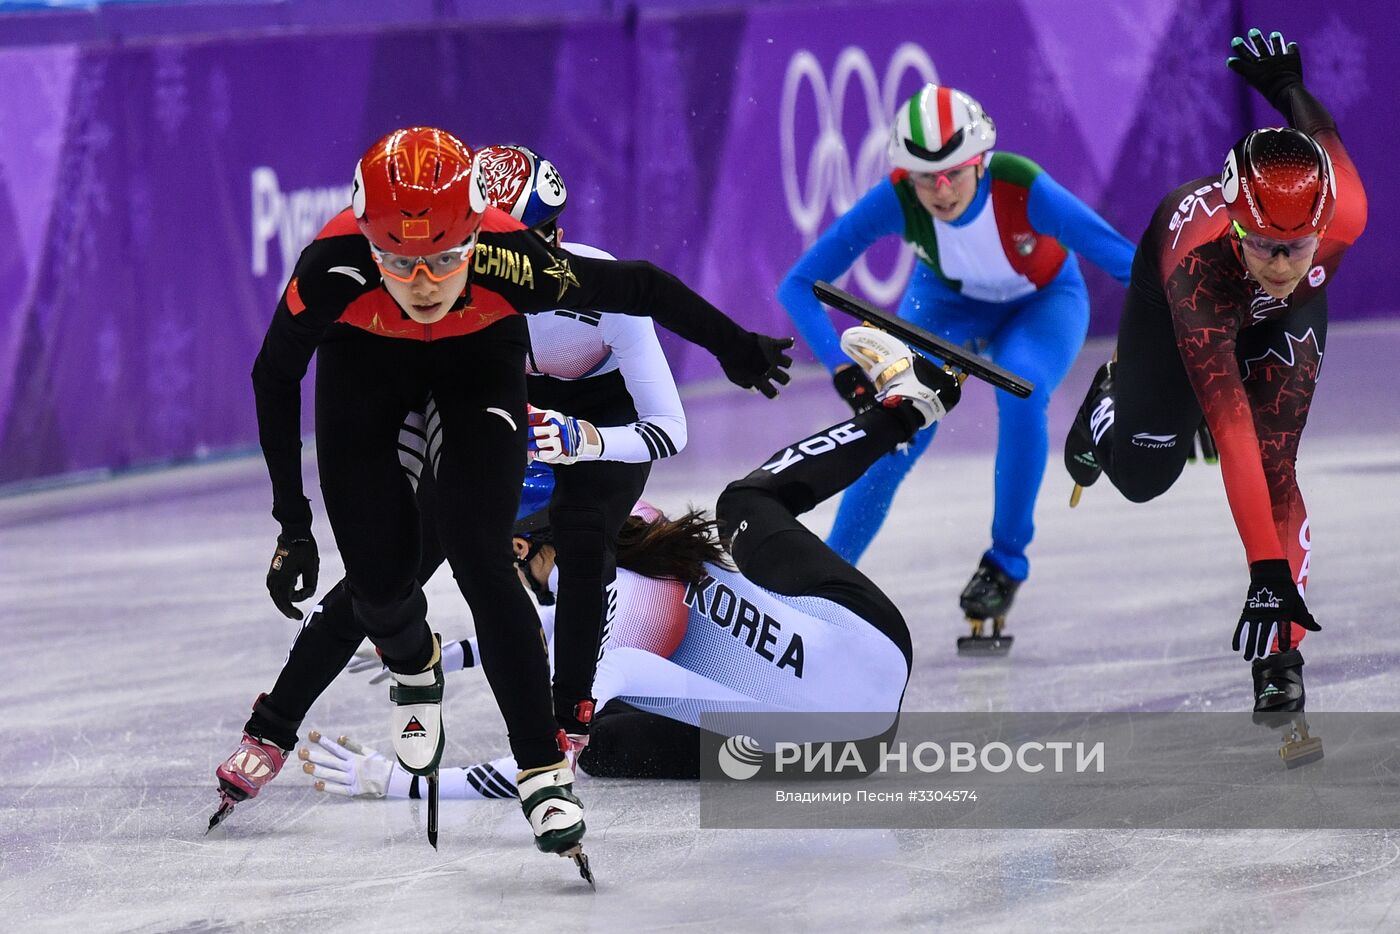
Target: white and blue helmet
x: 517, y: 181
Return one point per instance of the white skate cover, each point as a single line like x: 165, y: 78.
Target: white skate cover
x: 554, y: 812
x: 417, y: 727
x: 889, y: 363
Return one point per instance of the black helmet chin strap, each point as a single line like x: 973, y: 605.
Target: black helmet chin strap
x: 542, y: 593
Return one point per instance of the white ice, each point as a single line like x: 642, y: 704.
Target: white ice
x: 137, y: 632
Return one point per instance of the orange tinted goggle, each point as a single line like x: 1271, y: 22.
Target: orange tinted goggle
x: 437, y: 266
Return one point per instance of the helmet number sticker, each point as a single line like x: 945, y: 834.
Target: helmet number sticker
x: 550, y: 185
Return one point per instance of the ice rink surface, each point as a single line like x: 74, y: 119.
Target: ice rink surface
x: 137, y: 632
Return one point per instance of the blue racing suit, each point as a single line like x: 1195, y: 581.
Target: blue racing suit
x: 1001, y: 280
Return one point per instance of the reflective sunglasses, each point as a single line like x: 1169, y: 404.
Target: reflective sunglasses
x: 1266, y: 248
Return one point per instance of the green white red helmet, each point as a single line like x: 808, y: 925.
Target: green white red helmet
x: 939, y: 128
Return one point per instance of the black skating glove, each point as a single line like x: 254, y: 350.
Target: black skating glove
x: 1273, y: 602
x: 295, y: 557
x: 1270, y: 65
x: 855, y: 387
x: 757, y: 362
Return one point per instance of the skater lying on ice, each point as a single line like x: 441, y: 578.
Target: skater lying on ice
x: 775, y: 622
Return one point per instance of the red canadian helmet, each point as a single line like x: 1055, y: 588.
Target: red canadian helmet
x: 1278, y: 183
x: 414, y: 192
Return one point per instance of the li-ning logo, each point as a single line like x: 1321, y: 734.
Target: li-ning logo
x: 1102, y: 419
x: 1152, y: 442
x: 740, y: 757
x: 832, y: 181
x: 1264, y: 599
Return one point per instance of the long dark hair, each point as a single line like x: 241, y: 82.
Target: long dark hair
x: 671, y: 548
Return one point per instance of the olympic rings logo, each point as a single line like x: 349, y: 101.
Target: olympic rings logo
x: 832, y: 180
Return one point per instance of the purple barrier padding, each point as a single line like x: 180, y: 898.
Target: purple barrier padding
x: 185, y: 178
x: 156, y: 194
x: 143, y: 22
x: 763, y: 127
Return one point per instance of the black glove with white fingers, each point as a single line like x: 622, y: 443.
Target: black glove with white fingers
x: 1270, y: 65
x: 855, y: 387
x: 295, y: 557
x: 1271, y: 606
x: 757, y: 362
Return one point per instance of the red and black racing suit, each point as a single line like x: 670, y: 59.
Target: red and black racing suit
x: 374, y: 366
x: 1199, y: 335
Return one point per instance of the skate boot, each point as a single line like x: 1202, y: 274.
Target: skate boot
x: 1094, y: 418
x: 256, y: 761
x: 253, y: 764
x: 418, y: 738
x: 555, y: 812
x: 417, y: 727
x: 987, y: 598
x: 899, y: 373
x: 1278, y: 704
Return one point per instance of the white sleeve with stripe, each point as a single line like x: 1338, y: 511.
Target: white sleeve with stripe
x: 659, y: 430
x: 481, y: 782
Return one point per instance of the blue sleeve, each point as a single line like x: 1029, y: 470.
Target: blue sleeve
x: 875, y: 215
x: 1053, y: 211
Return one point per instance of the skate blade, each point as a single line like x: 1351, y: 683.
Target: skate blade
x: 580, y: 859
x: 225, y: 809
x: 1074, y: 495
x: 996, y: 644
x: 1301, y: 752
x: 985, y: 646
x: 433, y: 809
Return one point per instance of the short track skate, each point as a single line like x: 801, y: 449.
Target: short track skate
x: 1299, y: 746
x: 242, y: 775
x: 1279, y: 700
x: 985, y: 601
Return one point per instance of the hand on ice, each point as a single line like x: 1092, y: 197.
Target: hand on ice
x: 1271, y: 606
x: 346, y: 768
x: 366, y: 658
